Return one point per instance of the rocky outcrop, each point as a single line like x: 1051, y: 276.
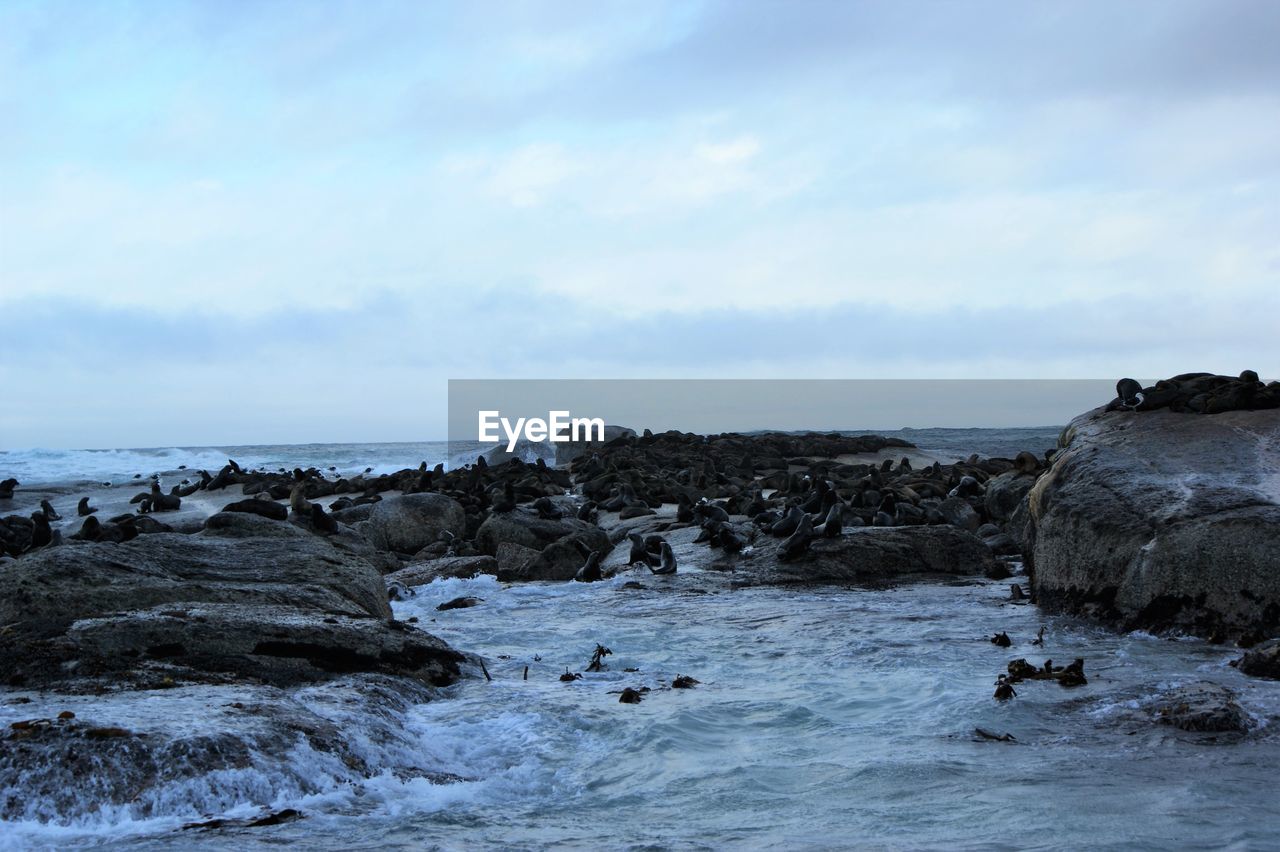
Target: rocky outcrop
x: 246, y: 598
x: 1262, y: 660
x: 1201, y: 707
x: 1162, y: 519
x: 870, y: 555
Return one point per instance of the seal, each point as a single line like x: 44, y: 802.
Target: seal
x: 161, y: 502
x: 590, y: 571
x: 711, y: 512
x: 83, y: 509
x: 49, y: 513
x: 90, y: 530
x: 789, y: 523
x: 639, y: 553
x: 41, y: 534
x: 546, y: 509
x: 262, y: 508
x: 323, y: 524
x: 1129, y: 396
x: 667, y: 564
x: 684, y: 510
x: 6, y: 488
x: 730, y: 540
x: 507, y: 502
x: 298, y: 501
x: 831, y: 527
x: 967, y: 487
x: 798, y: 543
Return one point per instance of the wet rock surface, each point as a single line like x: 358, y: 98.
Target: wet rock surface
x: 1262, y: 660
x: 1163, y: 520
x: 247, y: 597
x: 1201, y: 707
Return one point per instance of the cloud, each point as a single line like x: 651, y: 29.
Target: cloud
x: 344, y: 202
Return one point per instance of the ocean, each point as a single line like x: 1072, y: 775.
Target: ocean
x: 65, y: 467
x: 823, y: 719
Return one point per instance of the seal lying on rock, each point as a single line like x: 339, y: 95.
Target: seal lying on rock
x: 1198, y: 393
x: 161, y: 502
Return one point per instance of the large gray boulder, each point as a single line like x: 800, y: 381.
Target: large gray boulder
x: 410, y: 522
x: 1004, y: 493
x: 1162, y: 520
x: 870, y: 555
x: 247, y: 597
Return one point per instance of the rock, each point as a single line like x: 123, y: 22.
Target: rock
x: 264, y: 508
x: 570, y: 450
x: 524, y: 527
x: 959, y: 513
x: 512, y: 559
x: 67, y: 774
x: 1262, y: 660
x: 1162, y: 520
x: 561, y: 559
x: 1002, y: 544
x: 1020, y: 529
x: 353, y: 515
x: 274, y: 644
x: 1004, y: 493
x: 462, y: 567
x: 410, y: 522
x: 465, y: 602
x: 871, y: 554
x: 1201, y: 706
x: 247, y: 596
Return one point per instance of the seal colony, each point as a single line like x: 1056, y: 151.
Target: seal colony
x: 760, y: 508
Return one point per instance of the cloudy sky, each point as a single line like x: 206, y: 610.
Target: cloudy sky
x: 226, y: 223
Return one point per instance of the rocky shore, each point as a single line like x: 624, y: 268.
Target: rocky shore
x: 1157, y: 516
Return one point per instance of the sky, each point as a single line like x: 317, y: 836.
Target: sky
x: 291, y: 222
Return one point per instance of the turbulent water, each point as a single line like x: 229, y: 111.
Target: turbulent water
x: 824, y: 718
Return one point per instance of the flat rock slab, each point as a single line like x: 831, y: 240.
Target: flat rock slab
x: 270, y: 600
x: 274, y: 644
